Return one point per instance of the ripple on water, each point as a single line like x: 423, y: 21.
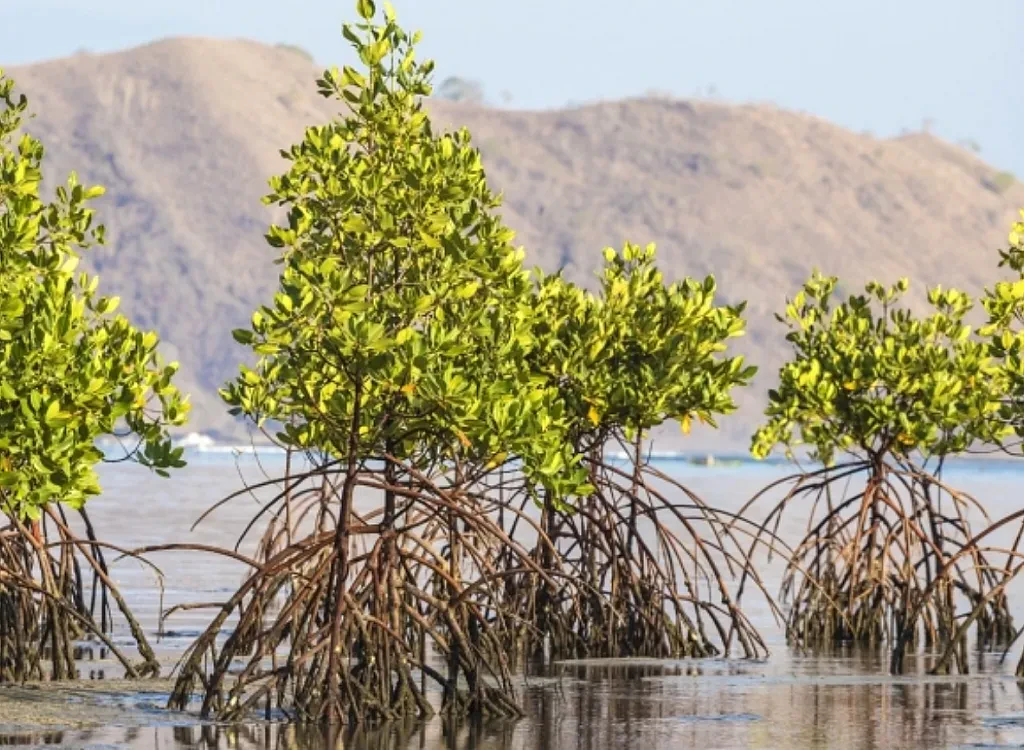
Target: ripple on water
x: 719, y: 718
x: 1016, y: 720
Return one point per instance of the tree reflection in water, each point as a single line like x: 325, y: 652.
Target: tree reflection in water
x: 834, y: 699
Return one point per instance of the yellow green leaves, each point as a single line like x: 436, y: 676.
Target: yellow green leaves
x: 868, y: 375
x: 447, y: 148
x: 1017, y: 232
x: 54, y: 417
x: 641, y: 352
x: 467, y: 290
x: 1014, y: 256
x: 404, y: 315
x: 366, y: 9
x: 71, y: 370
x: 107, y: 305
x: 1004, y: 304
x: 372, y: 54
x: 352, y: 77
x: 355, y: 224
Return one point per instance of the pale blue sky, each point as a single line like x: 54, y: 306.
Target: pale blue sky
x: 879, y: 65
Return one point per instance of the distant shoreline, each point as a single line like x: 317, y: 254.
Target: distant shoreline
x: 198, y: 443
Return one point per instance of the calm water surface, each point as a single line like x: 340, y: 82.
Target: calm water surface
x: 841, y: 700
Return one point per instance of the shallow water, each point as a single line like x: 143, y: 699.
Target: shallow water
x: 844, y: 699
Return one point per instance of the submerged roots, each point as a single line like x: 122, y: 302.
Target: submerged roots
x: 987, y: 543
x: 55, y: 592
x: 890, y: 562
x: 638, y: 569
x: 380, y: 593
x: 350, y: 614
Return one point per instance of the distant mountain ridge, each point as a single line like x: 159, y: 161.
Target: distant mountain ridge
x: 185, y: 132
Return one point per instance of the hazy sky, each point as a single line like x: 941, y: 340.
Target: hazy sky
x: 879, y: 65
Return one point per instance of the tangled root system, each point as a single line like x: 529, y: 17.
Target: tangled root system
x: 349, y: 616
x: 638, y: 569
x: 886, y: 557
x: 55, y: 593
x: 378, y: 593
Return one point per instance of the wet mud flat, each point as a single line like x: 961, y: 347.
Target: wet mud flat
x: 83, y: 704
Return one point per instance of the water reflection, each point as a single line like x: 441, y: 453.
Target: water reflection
x: 834, y: 701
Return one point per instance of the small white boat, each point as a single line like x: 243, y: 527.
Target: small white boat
x: 197, y: 441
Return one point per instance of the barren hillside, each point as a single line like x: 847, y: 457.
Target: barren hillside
x: 184, y: 134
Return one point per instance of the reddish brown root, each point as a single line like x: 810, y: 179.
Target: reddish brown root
x: 55, y: 593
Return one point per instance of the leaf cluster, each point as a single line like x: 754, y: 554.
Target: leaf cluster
x: 403, y: 313
x: 71, y: 368
x: 641, y: 352
x: 1004, y: 332
x: 869, y: 376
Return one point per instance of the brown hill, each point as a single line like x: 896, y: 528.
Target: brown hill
x: 184, y: 134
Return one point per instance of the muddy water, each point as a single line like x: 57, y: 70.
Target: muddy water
x: 843, y: 699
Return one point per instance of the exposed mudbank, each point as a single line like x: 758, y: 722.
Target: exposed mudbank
x: 84, y: 704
